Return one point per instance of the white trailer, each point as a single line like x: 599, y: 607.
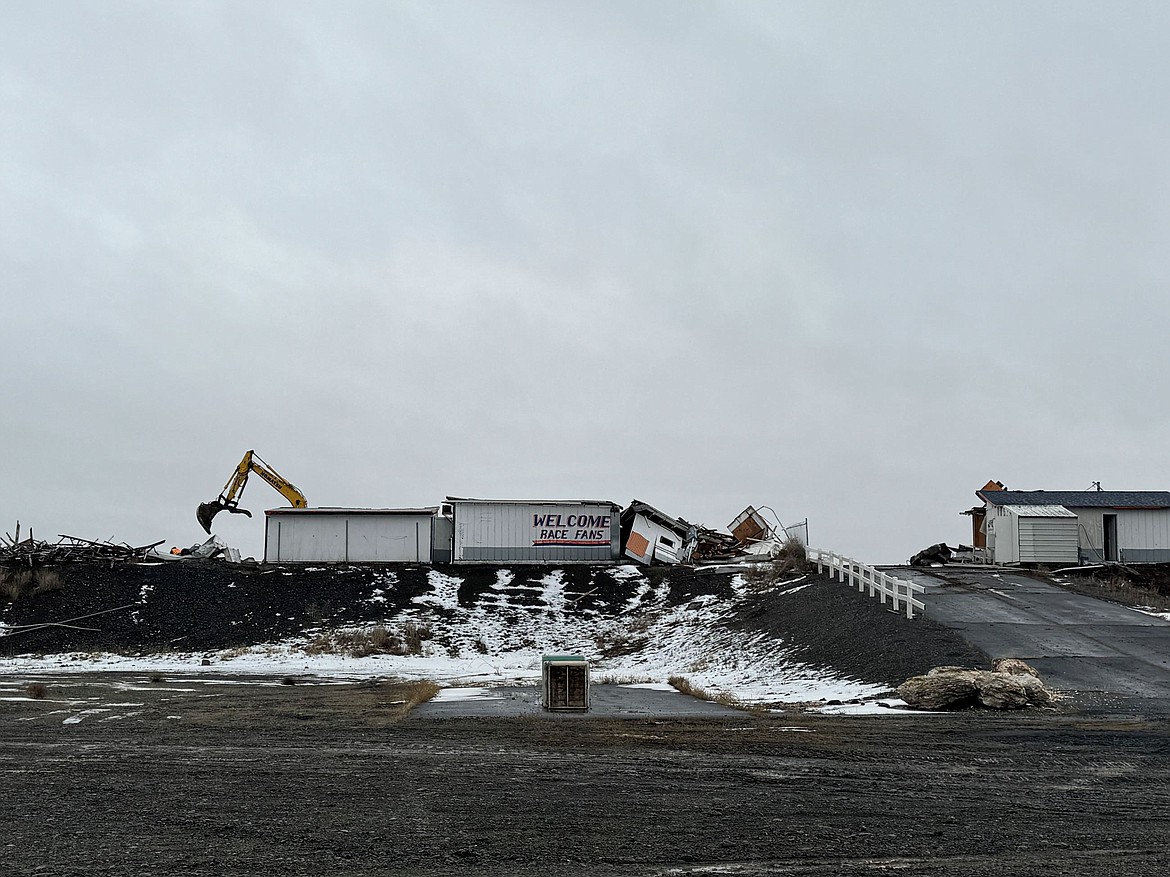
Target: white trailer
x: 535, y: 531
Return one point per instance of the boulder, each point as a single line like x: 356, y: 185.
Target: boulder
x: 1014, y: 667
x: 1002, y: 691
x: 944, y: 688
x: 1038, y: 695
x: 951, y: 688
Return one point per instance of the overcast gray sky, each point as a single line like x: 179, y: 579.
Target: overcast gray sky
x: 849, y: 260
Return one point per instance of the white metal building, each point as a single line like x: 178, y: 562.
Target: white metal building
x: 1129, y: 526
x: 1032, y: 534
x: 535, y: 531
x: 334, y: 535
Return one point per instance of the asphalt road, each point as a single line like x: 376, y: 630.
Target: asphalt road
x: 1077, y: 642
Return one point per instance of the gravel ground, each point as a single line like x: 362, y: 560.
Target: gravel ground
x: 330, y: 779
x: 113, y: 775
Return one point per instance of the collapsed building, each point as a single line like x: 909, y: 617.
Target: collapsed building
x: 511, y: 531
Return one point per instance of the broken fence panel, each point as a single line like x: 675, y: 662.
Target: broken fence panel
x: 862, y: 576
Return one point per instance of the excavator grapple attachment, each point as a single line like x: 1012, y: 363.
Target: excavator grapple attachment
x: 208, y: 510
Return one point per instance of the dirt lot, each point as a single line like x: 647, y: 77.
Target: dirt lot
x: 197, y: 777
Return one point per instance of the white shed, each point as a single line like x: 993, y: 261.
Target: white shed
x: 1032, y: 534
x: 336, y: 535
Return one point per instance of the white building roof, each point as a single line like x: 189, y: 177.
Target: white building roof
x: 1040, y: 511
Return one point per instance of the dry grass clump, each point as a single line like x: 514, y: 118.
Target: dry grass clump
x: 420, y: 692
x: 412, y: 694
x: 1121, y: 589
x: 684, y: 686
x: 36, y: 690
x: 19, y: 583
x: 375, y: 641
x: 792, y: 559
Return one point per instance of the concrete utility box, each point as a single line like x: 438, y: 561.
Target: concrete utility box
x: 566, y: 682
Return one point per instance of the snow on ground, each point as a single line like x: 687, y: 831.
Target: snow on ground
x: 1149, y: 610
x: 501, y: 637
x: 887, y: 706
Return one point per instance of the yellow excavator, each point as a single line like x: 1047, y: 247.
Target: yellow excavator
x: 229, y: 499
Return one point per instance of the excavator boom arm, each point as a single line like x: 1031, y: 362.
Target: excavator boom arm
x: 283, y: 485
x: 229, y: 498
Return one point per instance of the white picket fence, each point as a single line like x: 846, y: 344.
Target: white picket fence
x: 879, y: 583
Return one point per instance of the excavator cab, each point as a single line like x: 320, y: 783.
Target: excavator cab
x: 229, y: 499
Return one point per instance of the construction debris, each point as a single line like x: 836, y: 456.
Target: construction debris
x: 651, y: 536
x: 31, y: 552
x: 750, y: 527
x: 935, y: 555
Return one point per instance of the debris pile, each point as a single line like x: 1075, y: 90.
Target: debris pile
x: 712, y: 546
x: 31, y: 552
x: 650, y: 536
x: 1011, y: 684
x: 935, y: 555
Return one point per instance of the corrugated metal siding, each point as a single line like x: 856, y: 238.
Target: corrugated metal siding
x: 339, y: 538
x: 394, y: 538
x: 1041, y: 511
x: 296, y: 540
x: 1091, y: 535
x: 1048, y: 540
x: 488, y: 531
x: 1143, y: 529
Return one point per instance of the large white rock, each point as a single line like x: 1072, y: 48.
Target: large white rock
x: 1014, y: 687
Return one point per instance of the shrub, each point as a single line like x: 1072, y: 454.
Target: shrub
x: 380, y: 639
x: 45, y: 580
x: 36, y: 689
x: 791, y: 559
x: 376, y: 640
x: 414, y: 634
x: 14, y: 584
x: 20, y: 583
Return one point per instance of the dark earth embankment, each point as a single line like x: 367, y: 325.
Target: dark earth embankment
x: 194, y: 606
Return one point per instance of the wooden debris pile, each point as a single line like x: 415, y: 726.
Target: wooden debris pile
x: 31, y: 553
x: 714, y: 546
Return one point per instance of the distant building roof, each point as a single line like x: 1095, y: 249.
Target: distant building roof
x: 335, y: 510
x: 1082, y: 499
